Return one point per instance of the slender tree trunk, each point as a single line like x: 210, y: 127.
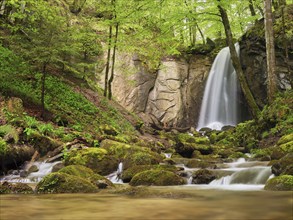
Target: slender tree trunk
x: 201, y: 34
x: 270, y: 51
x: 43, y: 81
x: 108, y: 61
x: 236, y: 63
x: 251, y: 8
x: 113, y: 62
x: 285, y: 43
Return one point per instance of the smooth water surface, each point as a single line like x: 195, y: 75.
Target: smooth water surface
x: 173, y: 203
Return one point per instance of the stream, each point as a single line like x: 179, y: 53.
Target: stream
x: 177, y: 203
x: 237, y: 193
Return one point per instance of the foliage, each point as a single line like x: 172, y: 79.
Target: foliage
x: 10, y: 131
x: 3, y: 147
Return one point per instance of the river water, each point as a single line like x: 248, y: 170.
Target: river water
x: 180, y: 202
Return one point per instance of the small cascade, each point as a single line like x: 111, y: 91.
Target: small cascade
x: 115, y: 176
x: 168, y: 155
x: 220, y: 101
x: 238, y: 175
x: 43, y: 169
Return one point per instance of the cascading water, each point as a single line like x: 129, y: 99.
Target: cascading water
x: 115, y: 176
x: 44, y: 169
x: 220, y: 103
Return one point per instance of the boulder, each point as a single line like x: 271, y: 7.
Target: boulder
x: 18, y: 188
x: 128, y: 174
x: 65, y: 183
x: 283, y: 166
x: 203, y: 176
x: 88, y: 174
x: 280, y: 183
x: 156, y: 178
x: 97, y: 159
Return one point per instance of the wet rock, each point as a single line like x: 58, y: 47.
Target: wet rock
x: 156, y: 178
x: 280, y: 183
x: 18, y: 188
x: 283, y: 166
x: 88, y: 174
x: 33, y: 169
x: 65, y: 183
x: 23, y: 173
x: 96, y: 159
x: 128, y: 174
x: 203, y: 176
x: 57, y: 167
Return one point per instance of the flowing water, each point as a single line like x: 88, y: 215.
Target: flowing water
x: 44, y: 169
x: 220, y: 101
x: 180, y: 203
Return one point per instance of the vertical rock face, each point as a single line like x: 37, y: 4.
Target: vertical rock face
x: 171, y: 95
x: 253, y: 57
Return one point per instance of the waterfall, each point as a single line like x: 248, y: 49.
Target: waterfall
x: 220, y: 103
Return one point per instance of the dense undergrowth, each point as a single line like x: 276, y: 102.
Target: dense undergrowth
x: 65, y: 106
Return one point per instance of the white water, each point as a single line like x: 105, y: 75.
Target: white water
x: 220, y: 103
x: 242, y: 175
x: 44, y: 169
x: 115, y: 176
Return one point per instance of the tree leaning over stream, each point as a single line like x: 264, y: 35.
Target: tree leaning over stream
x: 236, y: 62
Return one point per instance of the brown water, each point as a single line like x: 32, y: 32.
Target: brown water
x: 164, y: 203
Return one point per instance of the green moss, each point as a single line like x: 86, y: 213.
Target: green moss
x: 280, y: 183
x: 84, y: 172
x: 237, y: 155
x: 9, y: 130
x: 18, y: 188
x: 65, y: 183
x: 156, y: 178
x: 3, y: 147
x: 82, y: 157
x: 116, y: 148
x: 128, y: 174
x: 285, y: 139
x: 96, y: 159
x: 287, y: 147
x: 202, y: 140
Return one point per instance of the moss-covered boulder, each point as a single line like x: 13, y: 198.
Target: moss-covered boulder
x: 280, y: 183
x: 18, y: 188
x: 203, y: 176
x: 156, y: 178
x: 283, y: 166
x: 131, y: 155
x: 128, y: 174
x: 97, y: 159
x: 87, y: 173
x: 142, y: 158
x: 65, y: 183
x: 196, y: 163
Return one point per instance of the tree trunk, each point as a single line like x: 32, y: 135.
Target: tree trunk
x: 43, y: 81
x: 270, y: 51
x: 236, y: 63
x: 251, y: 8
x: 285, y: 44
x: 113, y: 62
x: 108, y: 61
